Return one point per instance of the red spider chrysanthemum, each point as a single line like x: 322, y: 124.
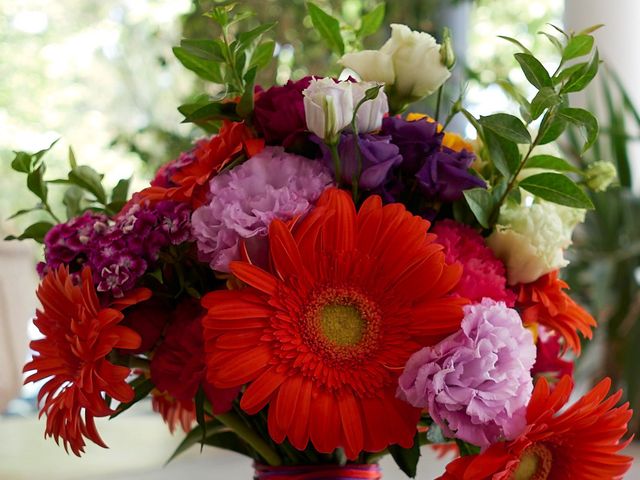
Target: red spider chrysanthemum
x: 210, y: 156
x: 174, y: 412
x: 579, y: 443
x: 323, y: 337
x: 545, y: 302
x: 78, y: 336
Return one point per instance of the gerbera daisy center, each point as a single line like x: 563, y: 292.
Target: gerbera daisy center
x: 341, y: 323
x: 535, y: 463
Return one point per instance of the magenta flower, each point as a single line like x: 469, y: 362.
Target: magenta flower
x: 244, y: 201
x: 475, y: 383
x: 483, y: 274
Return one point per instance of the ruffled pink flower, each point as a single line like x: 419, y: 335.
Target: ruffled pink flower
x: 272, y: 184
x: 475, y: 383
x: 483, y: 274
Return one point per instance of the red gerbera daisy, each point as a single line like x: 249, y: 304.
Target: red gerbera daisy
x: 323, y: 338
x: 78, y: 336
x: 211, y: 156
x: 580, y: 443
x: 545, y: 302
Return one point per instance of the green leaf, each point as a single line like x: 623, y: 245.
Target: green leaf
x: 481, y: 204
x: 591, y: 29
x: 504, y: 153
x: 245, y: 105
x: 556, y: 43
x: 516, y: 43
x: 473, y: 121
x: 26, y: 210
x: 559, y: 30
x: 72, y: 159
x: 36, y: 183
x: 262, y: 55
x: 549, y: 162
x: 205, y: 49
x: 534, y: 70
x: 246, y: 38
x: 506, y: 126
x: 142, y: 387
x: 200, y: 113
x: 206, y: 69
x: 585, y: 119
x: 579, y: 79
x: 72, y: 200
x: 121, y: 191
x: 544, y: 99
x: 36, y: 232
x: 577, y: 47
x: 87, y: 178
x: 22, y: 162
x: 197, y: 435
x: 551, y: 127
x: 328, y: 28
x: 467, y: 448
x: 556, y: 188
x: 407, y: 458
x: 371, y: 21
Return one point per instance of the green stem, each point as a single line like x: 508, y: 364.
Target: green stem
x: 438, y: 103
x: 333, y: 148
x: 47, y: 209
x: 235, y: 423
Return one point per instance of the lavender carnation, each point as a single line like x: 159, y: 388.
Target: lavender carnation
x: 475, y: 383
x: 272, y: 184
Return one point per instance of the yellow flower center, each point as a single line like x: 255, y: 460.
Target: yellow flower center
x: 535, y: 463
x: 342, y: 324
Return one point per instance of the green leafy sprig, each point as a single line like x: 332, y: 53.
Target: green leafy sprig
x: 502, y: 134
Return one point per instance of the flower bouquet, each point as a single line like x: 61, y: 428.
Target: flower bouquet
x: 328, y: 279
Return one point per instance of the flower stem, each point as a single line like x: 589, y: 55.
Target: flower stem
x: 438, y: 103
x: 235, y: 423
x: 333, y: 148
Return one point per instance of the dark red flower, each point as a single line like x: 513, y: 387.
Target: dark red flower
x: 178, y: 365
x: 148, y: 319
x: 279, y: 112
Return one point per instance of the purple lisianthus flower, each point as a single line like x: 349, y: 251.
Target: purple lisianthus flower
x: 441, y: 173
x: 279, y: 112
x: 416, y: 141
x: 445, y: 175
x: 272, y: 184
x: 476, y: 383
x: 377, y: 154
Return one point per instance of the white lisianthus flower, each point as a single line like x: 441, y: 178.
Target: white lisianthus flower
x: 328, y: 107
x: 409, y: 63
x: 600, y: 175
x: 531, y: 238
x: 370, y: 114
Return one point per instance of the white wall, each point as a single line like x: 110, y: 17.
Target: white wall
x: 619, y: 45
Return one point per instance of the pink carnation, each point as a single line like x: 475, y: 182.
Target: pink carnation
x: 244, y: 201
x: 475, y: 383
x: 483, y: 274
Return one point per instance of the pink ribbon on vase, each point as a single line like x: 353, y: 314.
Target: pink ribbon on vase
x: 318, y: 472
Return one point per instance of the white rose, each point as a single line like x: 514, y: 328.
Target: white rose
x: 531, y: 239
x: 328, y: 107
x: 408, y: 63
x: 370, y: 113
